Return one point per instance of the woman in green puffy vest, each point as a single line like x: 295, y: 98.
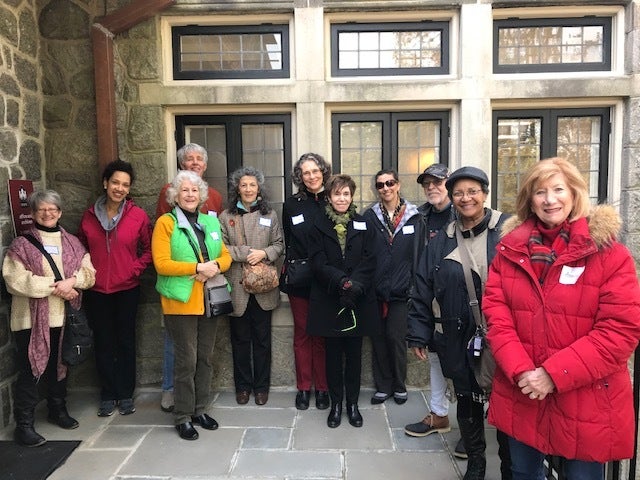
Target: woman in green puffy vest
x: 187, y: 250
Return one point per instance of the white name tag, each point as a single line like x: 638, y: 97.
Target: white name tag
x: 213, y: 213
x: 359, y: 225
x: 570, y: 275
x: 215, y: 236
x: 52, y: 249
x: 408, y: 230
x: 298, y: 219
x: 265, y: 222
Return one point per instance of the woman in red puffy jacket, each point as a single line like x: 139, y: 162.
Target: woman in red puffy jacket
x: 563, y: 308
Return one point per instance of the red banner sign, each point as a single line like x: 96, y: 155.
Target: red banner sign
x: 19, y: 191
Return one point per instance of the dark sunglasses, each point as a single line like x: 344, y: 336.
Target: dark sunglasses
x: 388, y: 183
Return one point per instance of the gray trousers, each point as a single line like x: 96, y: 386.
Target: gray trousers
x: 194, y: 337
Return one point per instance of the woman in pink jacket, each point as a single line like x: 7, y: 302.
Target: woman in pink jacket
x: 117, y: 234
x: 563, y: 308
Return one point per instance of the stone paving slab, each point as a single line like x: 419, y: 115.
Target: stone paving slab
x: 162, y: 452
x: 91, y: 465
x: 267, y: 438
x: 278, y: 464
x: 398, y: 465
x: 126, y: 437
x: 312, y: 433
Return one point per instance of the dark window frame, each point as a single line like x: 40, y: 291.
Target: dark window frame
x: 178, y: 31
x: 605, y: 65
x: 426, y: 25
x: 233, y: 129
x: 549, y: 139
x: 389, y: 122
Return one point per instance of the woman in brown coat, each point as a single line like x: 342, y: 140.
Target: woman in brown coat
x: 252, y: 232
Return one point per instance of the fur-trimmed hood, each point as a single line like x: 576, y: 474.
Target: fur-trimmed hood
x: 604, y: 225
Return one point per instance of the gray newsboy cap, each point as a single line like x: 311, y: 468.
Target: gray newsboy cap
x: 437, y: 170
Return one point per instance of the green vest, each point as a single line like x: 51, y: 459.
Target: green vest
x: 183, y: 244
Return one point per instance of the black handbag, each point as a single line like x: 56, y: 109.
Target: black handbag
x: 298, y: 273
x: 77, y: 341
x: 217, y: 299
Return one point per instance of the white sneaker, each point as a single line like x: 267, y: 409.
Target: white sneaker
x: 167, y: 402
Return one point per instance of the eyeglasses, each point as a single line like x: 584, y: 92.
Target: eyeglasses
x: 47, y: 210
x: 388, y: 183
x: 309, y: 173
x: 436, y: 182
x: 469, y: 193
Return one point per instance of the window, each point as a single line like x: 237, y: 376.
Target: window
x: 522, y: 138
x: 262, y: 141
x: 408, y: 142
x: 217, y: 52
x: 417, y: 48
x: 552, y: 45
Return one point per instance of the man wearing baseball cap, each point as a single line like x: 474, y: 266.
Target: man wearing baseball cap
x: 436, y: 213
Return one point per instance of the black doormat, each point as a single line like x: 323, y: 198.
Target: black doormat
x: 35, y: 463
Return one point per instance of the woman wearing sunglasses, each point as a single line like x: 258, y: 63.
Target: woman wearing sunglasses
x: 342, y: 302
x: 396, y: 223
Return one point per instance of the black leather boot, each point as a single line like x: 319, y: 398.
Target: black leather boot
x: 24, y: 433
x: 471, y: 423
x: 355, y: 419
x: 472, y: 430
x: 58, y: 414
x: 335, y: 415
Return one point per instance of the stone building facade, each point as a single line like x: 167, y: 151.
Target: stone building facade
x: 49, y: 132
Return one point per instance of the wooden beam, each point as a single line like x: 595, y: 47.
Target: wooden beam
x: 130, y: 15
x: 102, y: 34
x: 102, y: 41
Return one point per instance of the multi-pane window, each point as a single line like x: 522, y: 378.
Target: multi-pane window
x: 522, y: 138
x: 552, y: 45
x: 233, y: 141
x: 260, y: 51
x: 417, y: 48
x: 364, y: 143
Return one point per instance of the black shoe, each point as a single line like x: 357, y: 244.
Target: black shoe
x: 58, y: 415
x: 322, y: 399
x: 355, y: 418
x: 205, y: 421
x: 335, y: 415
x: 26, y: 436
x: 186, y: 431
x: 302, y: 399
x: 379, y: 397
x: 459, y: 451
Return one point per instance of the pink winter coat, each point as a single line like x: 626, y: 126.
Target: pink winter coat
x: 581, y: 326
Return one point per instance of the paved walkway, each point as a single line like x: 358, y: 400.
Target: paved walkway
x: 274, y: 441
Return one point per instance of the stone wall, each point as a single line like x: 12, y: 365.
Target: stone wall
x: 21, y: 144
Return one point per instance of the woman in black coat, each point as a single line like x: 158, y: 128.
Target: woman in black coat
x: 310, y: 173
x: 343, y: 305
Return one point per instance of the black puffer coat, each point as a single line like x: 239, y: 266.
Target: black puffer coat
x: 330, y: 266
x: 440, y: 277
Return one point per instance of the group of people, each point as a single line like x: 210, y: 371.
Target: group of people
x: 558, y: 296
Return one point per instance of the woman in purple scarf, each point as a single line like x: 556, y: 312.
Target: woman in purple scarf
x: 37, y: 312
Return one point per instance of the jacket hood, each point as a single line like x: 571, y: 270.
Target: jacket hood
x: 603, y: 220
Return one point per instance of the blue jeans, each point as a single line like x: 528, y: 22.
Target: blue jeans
x: 526, y: 464
x: 167, y: 363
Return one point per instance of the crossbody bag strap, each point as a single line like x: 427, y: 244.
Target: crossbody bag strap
x: 465, y: 260
x: 46, y: 254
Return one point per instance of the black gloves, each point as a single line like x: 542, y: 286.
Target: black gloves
x: 350, y: 290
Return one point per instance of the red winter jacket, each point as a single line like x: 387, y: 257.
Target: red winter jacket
x: 580, y: 329
x: 120, y: 255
